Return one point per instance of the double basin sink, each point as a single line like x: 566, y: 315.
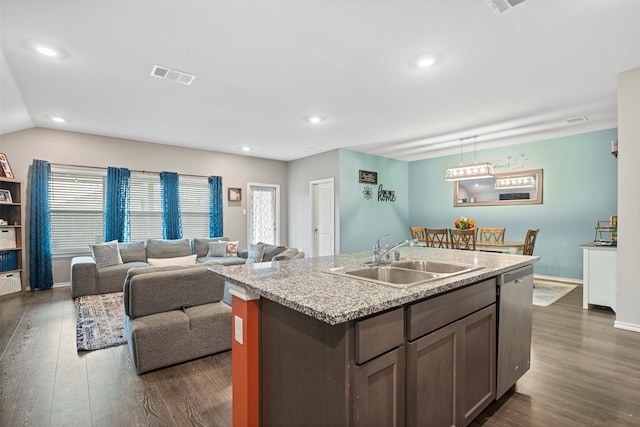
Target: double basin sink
x: 405, y: 273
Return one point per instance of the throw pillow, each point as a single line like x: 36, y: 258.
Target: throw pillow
x: 217, y: 249
x: 133, y: 252
x: 232, y: 248
x: 255, y: 253
x: 201, y: 246
x: 288, y: 254
x: 182, y: 260
x: 106, y: 254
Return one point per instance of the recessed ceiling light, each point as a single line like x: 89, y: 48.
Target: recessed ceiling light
x: 315, y: 119
x: 246, y: 148
x: 58, y: 119
x: 425, y: 61
x: 47, y: 51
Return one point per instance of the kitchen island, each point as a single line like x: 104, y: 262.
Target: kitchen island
x: 314, y: 348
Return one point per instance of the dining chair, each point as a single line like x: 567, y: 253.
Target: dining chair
x: 463, y: 239
x: 492, y: 235
x: 418, y: 233
x: 530, y: 242
x: 437, y: 237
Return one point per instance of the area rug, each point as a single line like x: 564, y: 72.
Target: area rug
x: 100, y: 321
x: 546, y: 293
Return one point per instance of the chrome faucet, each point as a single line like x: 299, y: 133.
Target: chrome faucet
x: 382, y: 257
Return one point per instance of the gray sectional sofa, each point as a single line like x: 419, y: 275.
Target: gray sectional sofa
x: 174, y: 314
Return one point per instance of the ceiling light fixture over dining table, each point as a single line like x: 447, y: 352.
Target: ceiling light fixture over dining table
x: 469, y: 171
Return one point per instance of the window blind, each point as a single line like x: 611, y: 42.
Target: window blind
x: 77, y: 211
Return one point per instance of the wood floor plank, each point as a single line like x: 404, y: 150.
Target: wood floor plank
x: 583, y: 372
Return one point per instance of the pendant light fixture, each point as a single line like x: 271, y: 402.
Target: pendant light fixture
x: 469, y: 171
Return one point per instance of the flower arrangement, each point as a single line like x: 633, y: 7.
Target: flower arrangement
x: 464, y: 223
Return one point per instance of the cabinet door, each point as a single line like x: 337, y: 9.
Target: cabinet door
x: 432, y: 378
x: 478, y: 388
x: 380, y: 390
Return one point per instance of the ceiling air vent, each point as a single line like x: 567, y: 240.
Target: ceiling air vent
x: 577, y: 120
x: 169, y: 74
x: 501, y: 6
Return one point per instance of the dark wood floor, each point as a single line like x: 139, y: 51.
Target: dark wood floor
x: 584, y: 373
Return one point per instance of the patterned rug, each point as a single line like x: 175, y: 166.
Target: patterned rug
x: 546, y: 293
x: 100, y: 321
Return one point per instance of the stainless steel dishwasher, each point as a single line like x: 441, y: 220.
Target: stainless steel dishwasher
x: 515, y: 301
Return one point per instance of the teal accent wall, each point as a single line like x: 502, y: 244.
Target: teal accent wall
x: 363, y: 221
x: 580, y: 188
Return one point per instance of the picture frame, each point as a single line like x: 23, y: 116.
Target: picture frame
x: 234, y: 194
x: 5, y: 167
x: 5, y: 196
x: 367, y: 177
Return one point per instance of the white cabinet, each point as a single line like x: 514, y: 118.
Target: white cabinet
x: 600, y: 275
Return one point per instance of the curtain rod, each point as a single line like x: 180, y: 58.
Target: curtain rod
x: 130, y: 170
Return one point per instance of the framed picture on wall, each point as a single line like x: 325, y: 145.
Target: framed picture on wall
x: 235, y: 194
x: 367, y: 177
x: 4, y: 166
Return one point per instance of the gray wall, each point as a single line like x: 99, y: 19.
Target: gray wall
x: 628, y: 298
x: 301, y: 173
x: 91, y: 150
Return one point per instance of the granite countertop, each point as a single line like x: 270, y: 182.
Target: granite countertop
x: 305, y: 286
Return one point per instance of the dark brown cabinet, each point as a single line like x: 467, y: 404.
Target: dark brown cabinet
x: 380, y: 390
x: 429, y: 363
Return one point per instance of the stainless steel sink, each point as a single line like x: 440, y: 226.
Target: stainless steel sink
x: 434, y: 266
x: 392, y: 275
x: 405, y: 274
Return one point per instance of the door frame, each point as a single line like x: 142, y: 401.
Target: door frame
x: 261, y: 184
x: 312, y: 184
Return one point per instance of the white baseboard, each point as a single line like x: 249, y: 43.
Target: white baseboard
x: 558, y: 279
x: 56, y: 286
x: 626, y: 326
x: 62, y: 285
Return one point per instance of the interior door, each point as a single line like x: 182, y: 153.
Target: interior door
x: 323, y: 221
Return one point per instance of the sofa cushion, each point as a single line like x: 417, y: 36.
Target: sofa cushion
x: 111, y: 279
x: 157, y: 289
x: 106, y: 254
x: 133, y: 252
x: 271, y: 250
x: 217, y: 249
x: 224, y: 260
x: 157, y: 248
x: 183, y: 260
x: 201, y: 246
x: 255, y: 253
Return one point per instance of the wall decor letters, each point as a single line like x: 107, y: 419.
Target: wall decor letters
x: 386, y: 195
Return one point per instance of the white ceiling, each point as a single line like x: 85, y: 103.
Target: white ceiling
x: 262, y: 67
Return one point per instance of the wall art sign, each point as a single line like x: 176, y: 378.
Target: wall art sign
x: 386, y: 195
x: 367, y: 177
x: 367, y: 192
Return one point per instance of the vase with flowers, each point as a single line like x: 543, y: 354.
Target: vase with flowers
x: 464, y: 223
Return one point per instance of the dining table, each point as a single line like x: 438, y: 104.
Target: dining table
x: 508, y: 247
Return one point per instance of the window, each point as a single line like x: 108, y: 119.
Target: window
x: 194, y: 206
x: 76, y: 199
x: 145, y: 207
x: 264, y: 214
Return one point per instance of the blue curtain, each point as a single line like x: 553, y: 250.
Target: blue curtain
x: 117, y: 224
x: 215, y: 206
x: 171, y: 220
x: 40, y: 256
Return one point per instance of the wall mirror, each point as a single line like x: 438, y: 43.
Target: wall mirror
x: 509, y: 188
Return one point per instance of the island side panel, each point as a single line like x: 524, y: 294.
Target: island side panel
x: 304, y: 368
